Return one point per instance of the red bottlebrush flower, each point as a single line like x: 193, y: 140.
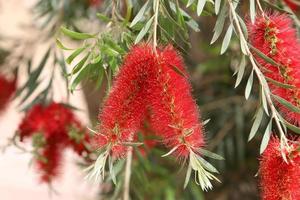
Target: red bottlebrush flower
x: 48, y: 162
x: 7, y: 89
x: 33, y: 122
x: 175, y: 113
x: 125, y: 107
x: 280, y: 180
x: 155, y: 81
x: 292, y: 4
x: 275, y: 36
x: 53, y: 128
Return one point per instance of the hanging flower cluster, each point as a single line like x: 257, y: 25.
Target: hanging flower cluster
x: 155, y: 82
x: 280, y: 179
x: 52, y: 128
x: 7, y: 89
x: 275, y: 37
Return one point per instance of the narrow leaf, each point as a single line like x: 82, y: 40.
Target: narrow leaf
x: 249, y: 85
x: 241, y: 70
x: 200, y: 6
x: 227, y: 39
x: 140, y: 14
x: 256, y: 123
x: 263, y: 56
x: 266, y: 137
x: 103, y: 18
x: 210, y: 154
x: 61, y: 46
x: 217, y: 6
x: 287, y: 104
x: 76, y: 35
x: 264, y: 101
x: 189, y: 3
x: 75, y: 54
x: 252, y: 10
x: 279, y: 84
x: 219, y: 24
x: 292, y: 127
x: 144, y: 31
x: 187, y: 177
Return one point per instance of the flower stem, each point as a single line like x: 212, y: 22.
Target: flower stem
x: 127, y: 174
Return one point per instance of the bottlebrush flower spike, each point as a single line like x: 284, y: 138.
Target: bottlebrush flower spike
x: 176, y: 116
x: 175, y: 113
x: 275, y: 36
x: 280, y: 180
x: 157, y: 82
x: 124, y: 109
x: 53, y: 128
x: 48, y: 162
x: 7, y: 89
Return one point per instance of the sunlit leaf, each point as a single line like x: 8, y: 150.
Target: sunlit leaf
x: 76, y: 35
x: 266, y: 137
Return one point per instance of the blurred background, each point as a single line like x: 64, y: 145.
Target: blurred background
x: 153, y: 177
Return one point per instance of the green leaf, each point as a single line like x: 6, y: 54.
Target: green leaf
x: 140, y: 14
x: 241, y: 70
x: 61, y: 46
x: 200, y: 6
x: 292, y: 127
x: 264, y: 101
x: 81, y: 75
x: 279, y: 84
x: 76, y: 35
x: 252, y: 10
x: 188, y: 176
x: 79, y: 65
x: 287, y: 104
x: 210, y: 154
x: 263, y: 56
x: 243, y: 47
x: 207, y: 165
x: 217, y: 6
x: 243, y: 26
x: 75, y: 54
x: 258, y: 118
x: 103, y: 18
x: 249, y: 85
x: 144, y: 31
x: 96, y: 59
x: 266, y: 137
x: 189, y: 3
x: 227, y: 39
x: 219, y: 24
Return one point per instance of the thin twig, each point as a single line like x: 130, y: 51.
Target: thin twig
x: 155, y: 24
x: 127, y: 174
